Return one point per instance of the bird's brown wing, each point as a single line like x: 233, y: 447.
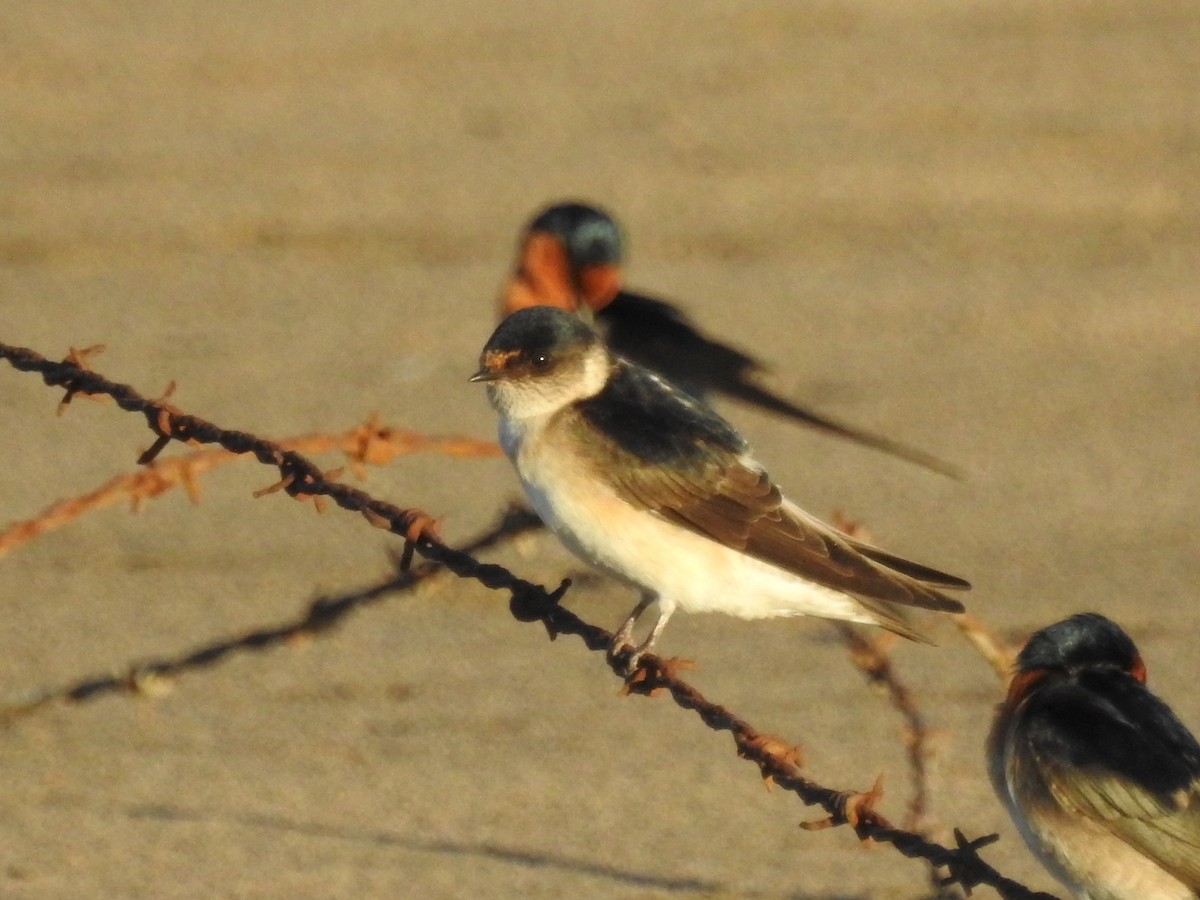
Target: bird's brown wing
x: 704, y: 481
x: 738, y: 505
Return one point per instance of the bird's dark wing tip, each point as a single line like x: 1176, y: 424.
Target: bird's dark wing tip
x: 934, y: 601
x: 916, y: 571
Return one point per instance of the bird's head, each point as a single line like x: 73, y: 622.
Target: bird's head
x: 570, y: 257
x: 1083, y: 642
x: 540, y: 359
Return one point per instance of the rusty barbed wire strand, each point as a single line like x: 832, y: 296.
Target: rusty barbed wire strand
x: 530, y: 602
x: 369, y: 444
x: 151, y: 677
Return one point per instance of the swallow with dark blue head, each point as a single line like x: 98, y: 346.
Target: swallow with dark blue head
x: 648, y: 484
x: 1100, y: 777
x: 570, y: 256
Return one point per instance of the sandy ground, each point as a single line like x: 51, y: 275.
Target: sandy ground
x: 972, y: 226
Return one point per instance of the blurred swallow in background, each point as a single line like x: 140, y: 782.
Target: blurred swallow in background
x: 570, y: 257
x: 1098, y: 774
x: 650, y: 485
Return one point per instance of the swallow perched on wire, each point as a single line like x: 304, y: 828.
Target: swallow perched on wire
x: 570, y: 257
x: 645, y: 482
x: 1098, y: 774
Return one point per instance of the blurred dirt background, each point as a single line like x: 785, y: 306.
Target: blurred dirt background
x: 973, y: 226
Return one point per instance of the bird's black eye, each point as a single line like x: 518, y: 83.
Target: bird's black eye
x: 540, y: 361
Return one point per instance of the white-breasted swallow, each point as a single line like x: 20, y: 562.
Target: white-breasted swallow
x: 647, y: 483
x: 1100, y: 777
x: 570, y: 256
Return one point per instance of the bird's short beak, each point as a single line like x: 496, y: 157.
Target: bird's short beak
x: 493, y: 365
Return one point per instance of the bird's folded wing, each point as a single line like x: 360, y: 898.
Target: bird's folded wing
x: 664, y: 451
x: 1121, y: 756
x: 910, y: 568
x: 731, y: 500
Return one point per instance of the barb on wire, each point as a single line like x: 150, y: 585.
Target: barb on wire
x: 371, y: 443
x: 530, y: 602
x: 152, y: 677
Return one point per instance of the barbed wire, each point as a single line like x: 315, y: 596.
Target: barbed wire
x: 371, y: 443
x: 153, y: 677
x: 374, y: 444
x: 529, y: 602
